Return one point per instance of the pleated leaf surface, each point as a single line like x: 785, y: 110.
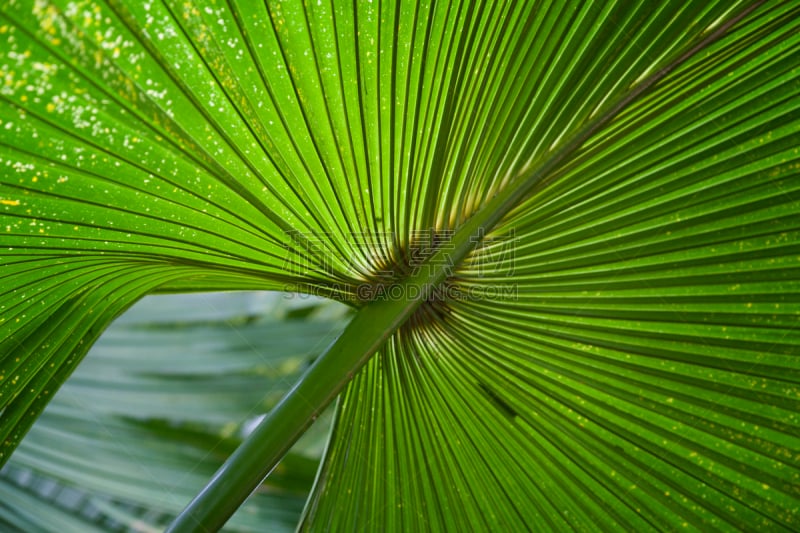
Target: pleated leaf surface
x: 619, y: 351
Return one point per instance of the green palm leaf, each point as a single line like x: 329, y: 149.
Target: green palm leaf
x: 570, y: 228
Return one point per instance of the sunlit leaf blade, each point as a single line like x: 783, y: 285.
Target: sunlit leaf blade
x: 638, y: 308
x: 163, y: 397
x: 121, y: 173
x: 622, y: 352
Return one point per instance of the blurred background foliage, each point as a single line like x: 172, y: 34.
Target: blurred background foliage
x: 163, y: 397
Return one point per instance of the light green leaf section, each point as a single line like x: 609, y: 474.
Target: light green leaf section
x: 162, y: 399
x: 619, y: 352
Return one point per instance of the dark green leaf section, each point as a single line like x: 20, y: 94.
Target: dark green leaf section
x: 161, y: 400
x: 621, y: 352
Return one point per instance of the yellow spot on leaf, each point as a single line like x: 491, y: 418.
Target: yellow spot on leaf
x: 10, y: 202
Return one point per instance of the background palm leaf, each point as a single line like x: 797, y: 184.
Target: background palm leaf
x: 156, y: 407
x: 620, y: 348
